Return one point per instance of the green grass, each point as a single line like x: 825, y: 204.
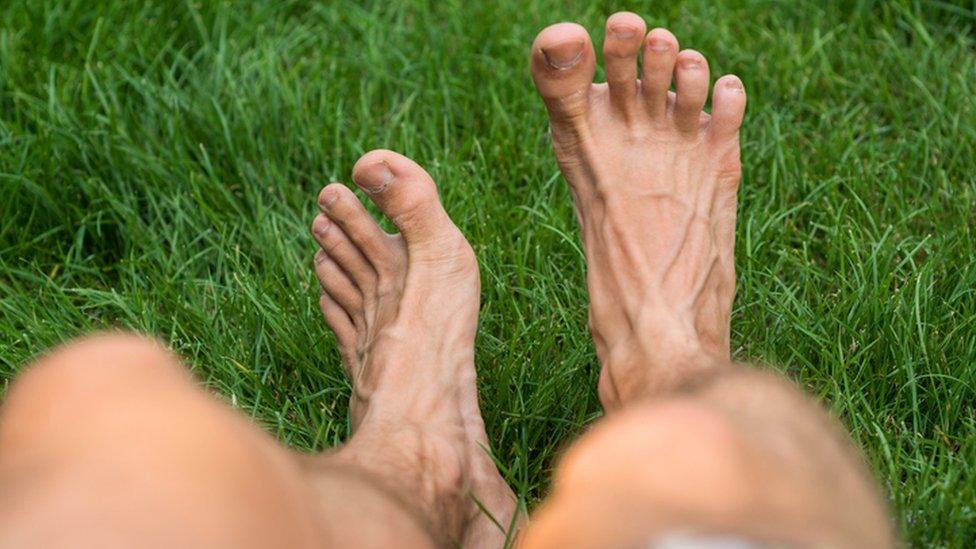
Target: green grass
x: 159, y: 163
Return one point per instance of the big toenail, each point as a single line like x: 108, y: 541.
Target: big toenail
x: 380, y: 175
x: 565, y: 55
x: 659, y: 45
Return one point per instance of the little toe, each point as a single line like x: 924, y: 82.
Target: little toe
x: 691, y: 89
x: 728, y: 107
x: 337, y: 284
x: 337, y: 245
x: 345, y: 209
x: 563, y: 63
x: 624, y: 35
x: 406, y: 194
x: 657, y: 71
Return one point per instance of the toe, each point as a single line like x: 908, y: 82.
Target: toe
x: 728, y: 107
x: 341, y: 250
x: 624, y: 35
x: 562, y: 68
x: 691, y: 89
x: 406, y: 194
x: 338, y: 321
x: 657, y: 70
x: 338, y: 285
x: 345, y: 209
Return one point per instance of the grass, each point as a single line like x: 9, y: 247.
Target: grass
x: 159, y: 163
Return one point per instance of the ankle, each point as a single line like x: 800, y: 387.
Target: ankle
x: 634, y: 374
x: 425, y: 471
x: 358, y: 508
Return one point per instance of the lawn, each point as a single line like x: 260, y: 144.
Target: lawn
x: 159, y: 163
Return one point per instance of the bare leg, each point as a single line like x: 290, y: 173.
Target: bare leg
x: 692, y: 443
x: 404, y: 309
x: 107, y: 442
x: 109, y: 439
x: 745, y: 455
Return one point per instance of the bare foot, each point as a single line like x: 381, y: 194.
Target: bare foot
x: 654, y: 181
x: 404, y: 309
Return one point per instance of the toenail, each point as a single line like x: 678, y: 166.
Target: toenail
x: 734, y: 84
x: 659, y: 45
x: 563, y: 56
x: 320, y: 225
x: 330, y: 198
x: 623, y: 33
x: 380, y: 173
x: 690, y: 64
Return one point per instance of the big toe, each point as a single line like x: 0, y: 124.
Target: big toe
x: 563, y: 63
x: 405, y: 193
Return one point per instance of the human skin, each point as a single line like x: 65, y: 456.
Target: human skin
x: 692, y: 441
x: 109, y: 439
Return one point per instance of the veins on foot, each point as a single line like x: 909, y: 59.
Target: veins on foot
x: 404, y: 309
x: 654, y: 182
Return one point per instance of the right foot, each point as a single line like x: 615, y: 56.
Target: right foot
x: 404, y: 311
x: 654, y: 182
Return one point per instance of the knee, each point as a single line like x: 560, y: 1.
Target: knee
x: 639, y: 472
x: 77, y: 380
x: 96, y: 362
x: 656, y: 445
x: 109, y: 426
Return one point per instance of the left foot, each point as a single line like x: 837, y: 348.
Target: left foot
x: 404, y: 309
